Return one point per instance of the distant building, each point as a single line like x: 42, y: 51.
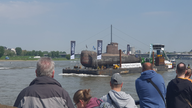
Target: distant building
x: 12, y: 49
x: 37, y: 57
x: 132, y: 50
x: 5, y: 47
x: 124, y: 52
x: 138, y: 52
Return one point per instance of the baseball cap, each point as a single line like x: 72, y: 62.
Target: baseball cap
x: 116, y: 79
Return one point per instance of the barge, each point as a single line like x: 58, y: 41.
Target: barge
x: 108, y: 63
x: 106, y: 66
x: 111, y: 71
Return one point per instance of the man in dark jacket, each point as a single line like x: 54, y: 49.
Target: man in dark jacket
x: 179, y: 90
x: 147, y: 93
x: 44, y: 91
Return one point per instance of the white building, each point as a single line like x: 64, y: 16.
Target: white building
x: 12, y: 49
x: 132, y: 50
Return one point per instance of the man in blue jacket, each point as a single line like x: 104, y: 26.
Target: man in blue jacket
x: 147, y: 93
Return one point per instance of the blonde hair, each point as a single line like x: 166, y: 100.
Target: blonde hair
x: 82, y: 94
x: 188, y: 72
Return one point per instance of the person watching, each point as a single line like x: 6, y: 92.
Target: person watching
x: 44, y: 91
x: 83, y: 99
x: 149, y: 97
x: 188, y: 74
x: 116, y: 97
x: 179, y: 90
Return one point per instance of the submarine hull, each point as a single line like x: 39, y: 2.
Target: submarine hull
x: 89, y: 59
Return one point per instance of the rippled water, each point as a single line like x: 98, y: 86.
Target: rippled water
x: 16, y: 75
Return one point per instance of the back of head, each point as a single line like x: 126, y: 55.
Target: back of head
x: 82, y: 94
x: 147, y: 66
x: 116, y: 80
x: 45, y: 67
x: 188, y: 72
x: 181, y: 68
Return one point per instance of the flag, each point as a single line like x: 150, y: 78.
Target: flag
x: 94, y: 48
x: 99, y: 48
x: 72, y: 49
x: 150, y: 50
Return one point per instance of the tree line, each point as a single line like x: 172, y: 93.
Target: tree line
x: 20, y: 52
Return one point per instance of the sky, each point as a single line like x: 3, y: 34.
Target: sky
x: 50, y: 25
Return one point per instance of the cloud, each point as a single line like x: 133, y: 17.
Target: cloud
x: 17, y: 10
x: 158, y: 13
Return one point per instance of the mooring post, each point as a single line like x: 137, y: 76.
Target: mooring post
x: 120, y: 57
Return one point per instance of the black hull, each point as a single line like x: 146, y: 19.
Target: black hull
x: 111, y: 71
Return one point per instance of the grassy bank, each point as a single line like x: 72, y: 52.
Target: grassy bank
x: 27, y: 58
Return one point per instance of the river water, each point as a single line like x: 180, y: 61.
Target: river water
x: 16, y: 75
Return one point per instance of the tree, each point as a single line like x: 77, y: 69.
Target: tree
x: 18, y: 50
x: 29, y: 53
x: 68, y: 56
x: 49, y: 54
x: 36, y: 53
x: 9, y: 53
x: 53, y: 54
x: 57, y: 53
x: 24, y: 52
x: 64, y: 52
x: 33, y: 53
x: 40, y: 53
x: 1, y: 51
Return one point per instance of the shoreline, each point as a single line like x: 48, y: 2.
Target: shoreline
x: 36, y: 60
x: 18, y: 60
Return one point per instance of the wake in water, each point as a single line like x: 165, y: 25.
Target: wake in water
x: 7, y: 68
x: 83, y: 75
x: 4, y: 68
x: 170, y: 70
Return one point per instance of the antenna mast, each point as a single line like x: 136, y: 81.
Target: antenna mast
x: 111, y: 33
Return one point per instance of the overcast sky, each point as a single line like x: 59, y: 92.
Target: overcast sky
x: 50, y: 25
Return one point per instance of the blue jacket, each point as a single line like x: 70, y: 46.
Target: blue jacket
x: 147, y: 93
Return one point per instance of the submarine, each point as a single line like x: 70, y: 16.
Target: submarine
x: 104, y: 66
x: 108, y: 59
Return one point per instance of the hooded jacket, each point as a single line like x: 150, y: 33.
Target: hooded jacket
x: 44, y: 92
x: 148, y: 95
x: 177, y: 90
x: 93, y: 103
x: 120, y: 99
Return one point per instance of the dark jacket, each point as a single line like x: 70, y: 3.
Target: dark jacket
x: 44, y: 92
x: 177, y: 90
x: 147, y: 93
